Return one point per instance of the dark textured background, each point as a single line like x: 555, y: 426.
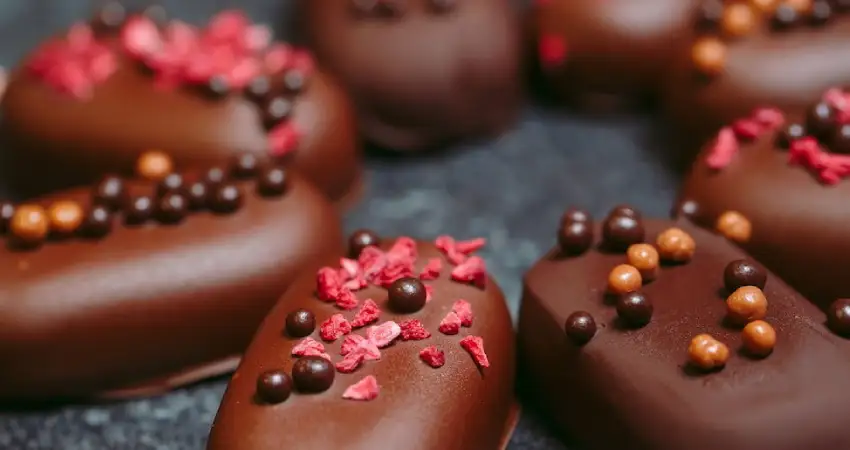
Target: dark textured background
x: 510, y: 190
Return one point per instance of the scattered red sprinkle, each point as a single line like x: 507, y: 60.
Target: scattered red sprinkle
x: 429, y: 293
x: 384, y: 334
x: 769, y: 118
x: 463, y: 309
x: 432, y: 269
x: 413, y: 330
x: 552, y: 50
x: 727, y: 143
x: 365, y: 389
x: 353, y: 275
x: 746, y: 129
x: 433, y: 356
x: 475, y: 346
x: 140, y: 37
x: 724, y: 149
x: 351, y: 362
x: 357, y: 343
x: 456, y: 252
x: 450, y: 324
x: 310, y: 347
x: 840, y: 102
x: 473, y: 270
x: 283, y: 139
x: 328, y: 284
x: 368, y: 313
x: 346, y: 300
x: 278, y: 58
x: 335, y: 327
x: 404, y: 247
x: 830, y: 168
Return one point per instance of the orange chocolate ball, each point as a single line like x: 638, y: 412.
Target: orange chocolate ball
x: 644, y: 258
x: 675, y: 245
x: 624, y: 279
x: 707, y: 353
x: 29, y: 225
x: 746, y: 304
x: 759, y: 338
x: 709, y: 55
x: 734, y: 226
x: 64, y: 217
x: 738, y: 20
x: 154, y: 165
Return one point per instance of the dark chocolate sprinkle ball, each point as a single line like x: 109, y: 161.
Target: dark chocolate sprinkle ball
x: 406, y: 295
x: 709, y: 15
x: 625, y: 211
x: 172, y: 208
x: 226, y: 198
x: 740, y: 273
x: 313, y: 374
x: 217, y: 87
x: 361, y: 239
x: 110, y: 192
x: 138, y: 210
x: 274, y: 386
x: 300, y: 323
x: 838, y: 317
x: 97, y: 222
x: 575, y: 237
x: 635, y: 309
x: 258, y: 88
x: 245, y: 165
x: 172, y: 182
x: 789, y: 134
x: 580, y: 327
x: 784, y: 17
x: 841, y: 140
x: 619, y: 232
x: 110, y: 17
x: 197, y: 194
x: 820, y: 120
x: 294, y: 80
x: 820, y: 12
x: 576, y: 215
x: 7, y: 210
x: 272, y: 182
x: 275, y: 111
x: 215, y: 176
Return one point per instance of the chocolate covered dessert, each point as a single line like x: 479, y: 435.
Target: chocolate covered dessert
x: 91, y: 100
x: 130, y: 288
x: 406, y: 344
x: 654, y: 334
x: 423, y: 73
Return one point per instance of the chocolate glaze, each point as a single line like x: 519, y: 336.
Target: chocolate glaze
x: 632, y: 389
x: 150, y: 306
x: 423, y: 78
x: 456, y: 406
x: 788, y: 70
x: 799, y: 224
x: 52, y: 140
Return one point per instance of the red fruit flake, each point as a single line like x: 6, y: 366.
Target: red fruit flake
x: 727, y: 143
x: 329, y: 284
x: 310, y: 347
x: 552, y: 50
x: 433, y: 356
x: 456, y: 252
x: 463, y: 309
x: 384, y: 334
x: 830, y: 168
x: 368, y: 313
x: 473, y: 271
x: 450, y: 324
x: 346, y: 300
x: 403, y: 248
x: 352, y: 274
x: 283, y: 139
x: 432, y: 269
x: 351, y: 362
x: 747, y: 129
x: 357, y: 343
x: 335, y: 327
x: 140, y: 37
x: 769, y: 118
x: 725, y: 147
x: 429, y: 293
x: 475, y: 346
x: 413, y: 330
x: 840, y: 102
x: 365, y: 389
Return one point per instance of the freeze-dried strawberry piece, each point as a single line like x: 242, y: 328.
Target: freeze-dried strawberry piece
x: 352, y: 273
x: 450, y: 324
x: 769, y: 118
x: 283, y: 139
x: 335, y: 327
x: 384, y: 334
x: 473, y: 270
x: 747, y: 129
x: 310, y: 347
x: 725, y: 147
x: 140, y: 37
x: 278, y: 57
x: 357, y: 343
x: 433, y: 356
x: 365, y: 389
x: 328, y: 284
x: 350, y: 362
x: 447, y: 245
x: 403, y: 248
x: 303, y: 61
x: 552, y: 50
x: 470, y: 245
x: 475, y: 346
x: 432, y: 269
x: 350, y: 343
x: 372, y: 260
x: 429, y: 293
x: 394, y: 270
x: 463, y: 309
x: 226, y: 27
x: 346, y: 300
x: 368, y: 313
x: 413, y: 330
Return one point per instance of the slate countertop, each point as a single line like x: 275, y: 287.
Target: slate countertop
x: 511, y: 190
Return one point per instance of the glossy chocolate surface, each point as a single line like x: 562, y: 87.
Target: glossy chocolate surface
x: 146, y: 307
x: 457, y: 406
x: 52, y: 140
x: 423, y: 77
x: 633, y: 389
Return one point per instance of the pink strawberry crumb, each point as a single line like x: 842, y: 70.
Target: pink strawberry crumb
x: 335, y: 327
x: 365, y: 389
x: 475, y: 346
x: 433, y: 356
x: 450, y: 324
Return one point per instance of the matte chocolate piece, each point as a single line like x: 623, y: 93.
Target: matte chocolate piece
x: 422, y: 78
x: 75, y: 140
x: 457, y: 406
x: 145, y: 308
x: 629, y: 388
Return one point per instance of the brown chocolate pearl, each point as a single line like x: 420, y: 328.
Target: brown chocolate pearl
x: 634, y: 309
x: 580, y: 327
x: 7, y: 211
x: 214, y: 176
x: 841, y: 140
x: 644, y: 258
x: 740, y: 273
x: 624, y: 279
x: 838, y: 317
x: 576, y: 215
x: 110, y: 17
x: 734, y: 226
x: 226, y: 198
x: 746, y: 304
x: 275, y: 111
x: 274, y: 386
x: 300, y: 323
x: 258, y: 89
x: 154, y: 165
x: 709, y: 56
x: 172, y: 208
x: 575, y: 237
x: 217, y: 87
x: 821, y: 120
x: 294, y: 80
x: 272, y: 181
x: 361, y: 239
x: 624, y: 211
x: 785, y: 16
x: 171, y: 183
x: 759, y: 338
x: 619, y: 232
x: 313, y: 374
x: 157, y: 14
x: 764, y: 6
x: 30, y: 225
x: 707, y: 353
x: 97, y: 222
x: 138, y: 210
x: 789, y: 134
x: 406, y: 295
x: 65, y: 217
x: 739, y: 19
x: 197, y: 195
x: 709, y: 15
x: 110, y: 192
x: 245, y: 165
x: 820, y: 13
x: 675, y: 245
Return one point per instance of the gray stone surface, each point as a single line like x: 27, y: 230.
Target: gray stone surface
x: 510, y: 190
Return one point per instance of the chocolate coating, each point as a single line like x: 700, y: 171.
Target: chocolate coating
x: 313, y: 374
x: 406, y: 295
x: 458, y: 392
x: 172, y: 208
x: 274, y: 386
x: 619, y: 232
x: 300, y: 323
x: 627, y: 388
x: 226, y: 198
x: 580, y: 327
x: 198, y: 195
x: 421, y: 79
x: 272, y: 181
x: 97, y: 222
x: 741, y: 273
x: 172, y: 183
x: 361, y: 239
x: 75, y: 141
x: 109, y: 192
x: 634, y: 309
x: 139, y: 209
x: 187, y: 282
